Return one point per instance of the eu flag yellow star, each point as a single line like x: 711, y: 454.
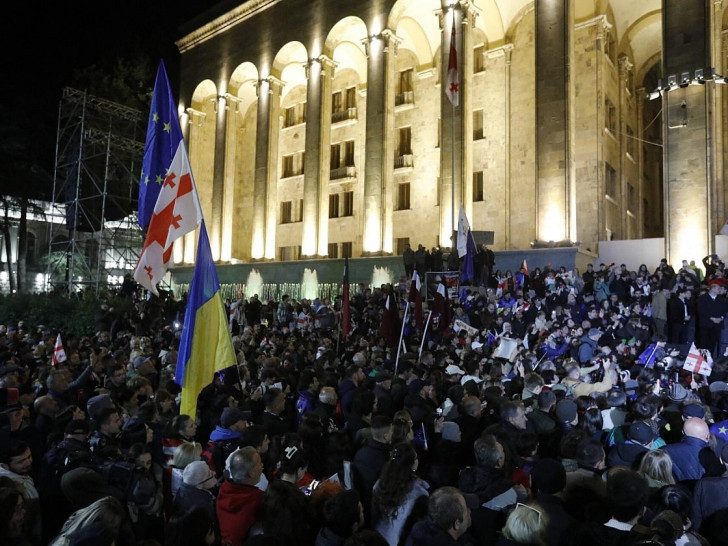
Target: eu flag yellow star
x: 722, y: 430
x: 167, y: 128
x: 159, y: 179
x: 155, y: 117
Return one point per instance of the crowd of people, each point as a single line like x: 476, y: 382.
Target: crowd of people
x: 551, y: 407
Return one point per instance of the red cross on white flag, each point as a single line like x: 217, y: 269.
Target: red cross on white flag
x: 698, y: 361
x: 453, y: 84
x: 59, y: 355
x: 176, y: 213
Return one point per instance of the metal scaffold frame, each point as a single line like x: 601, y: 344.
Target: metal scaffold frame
x: 99, y: 151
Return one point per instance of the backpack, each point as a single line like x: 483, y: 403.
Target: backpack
x: 136, y: 485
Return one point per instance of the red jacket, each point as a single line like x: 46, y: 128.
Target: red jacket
x: 238, y: 508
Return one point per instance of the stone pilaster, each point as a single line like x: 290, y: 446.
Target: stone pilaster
x: 689, y: 186
x: 381, y: 51
x: 625, y: 70
x: 641, y: 97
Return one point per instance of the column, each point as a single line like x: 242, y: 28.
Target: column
x: 232, y: 111
x: 265, y: 191
x: 379, y: 147
x: 715, y: 100
x: 465, y: 60
x: 689, y: 186
x: 508, y: 52
x: 315, y: 236
x: 197, y: 119
x: 453, y: 139
x: 625, y: 69
x: 553, y: 192
x: 219, y: 187
x: 641, y: 97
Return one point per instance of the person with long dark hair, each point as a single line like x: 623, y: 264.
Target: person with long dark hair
x: 400, y: 496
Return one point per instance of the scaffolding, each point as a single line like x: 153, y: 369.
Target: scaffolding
x: 94, y: 233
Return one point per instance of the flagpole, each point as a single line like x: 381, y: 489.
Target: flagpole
x: 424, y: 334
x: 401, y: 335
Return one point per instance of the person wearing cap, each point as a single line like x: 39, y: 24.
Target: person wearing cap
x: 548, y: 480
x: 71, y: 452
x: 370, y: 458
x: 685, y: 454
x: 198, y: 480
x: 419, y: 401
x: 144, y: 366
x: 640, y: 436
x: 225, y: 439
x: 382, y: 390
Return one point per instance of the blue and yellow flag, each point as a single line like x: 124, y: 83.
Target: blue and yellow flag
x: 206, y: 346
x: 163, y: 137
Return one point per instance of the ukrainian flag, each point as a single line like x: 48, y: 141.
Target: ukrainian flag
x: 206, y: 345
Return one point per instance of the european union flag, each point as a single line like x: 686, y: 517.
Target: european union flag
x: 468, y: 274
x: 649, y: 355
x: 720, y: 429
x: 163, y: 137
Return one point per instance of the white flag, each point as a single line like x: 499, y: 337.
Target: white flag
x: 698, y: 361
x: 176, y: 213
x: 59, y: 354
x: 463, y: 229
x: 453, y: 81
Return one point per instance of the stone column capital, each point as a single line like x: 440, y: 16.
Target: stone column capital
x: 625, y: 66
x: 388, y: 39
x: 274, y: 85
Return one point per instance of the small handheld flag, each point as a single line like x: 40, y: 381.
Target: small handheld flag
x: 59, y: 354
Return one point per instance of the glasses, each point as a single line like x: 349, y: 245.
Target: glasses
x: 521, y: 505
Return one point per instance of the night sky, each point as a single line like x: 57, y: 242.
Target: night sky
x: 45, y: 42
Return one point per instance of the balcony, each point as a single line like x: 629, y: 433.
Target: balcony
x: 344, y: 115
x: 406, y: 97
x: 343, y: 172
x: 404, y: 161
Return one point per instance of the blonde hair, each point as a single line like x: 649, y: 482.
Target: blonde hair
x: 527, y: 524
x: 656, y: 464
x: 186, y: 453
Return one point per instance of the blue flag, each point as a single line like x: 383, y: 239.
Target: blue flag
x: 205, y: 346
x: 648, y: 356
x: 720, y: 429
x: 468, y: 274
x: 163, y: 137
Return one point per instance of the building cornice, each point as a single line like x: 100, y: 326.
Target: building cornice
x: 223, y: 23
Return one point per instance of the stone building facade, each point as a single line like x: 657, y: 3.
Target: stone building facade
x: 320, y: 128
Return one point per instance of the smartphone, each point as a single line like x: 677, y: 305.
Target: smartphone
x: 439, y: 412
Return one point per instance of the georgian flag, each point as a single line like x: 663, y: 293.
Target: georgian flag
x: 59, y: 355
x: 453, y: 84
x: 176, y: 213
x: 698, y: 361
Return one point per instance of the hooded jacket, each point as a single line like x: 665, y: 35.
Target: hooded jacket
x: 238, y: 507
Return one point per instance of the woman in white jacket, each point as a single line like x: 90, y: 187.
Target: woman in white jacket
x: 400, y: 497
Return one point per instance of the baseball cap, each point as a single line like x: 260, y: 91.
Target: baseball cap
x: 138, y: 361
x: 452, y: 369
x: 230, y: 416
